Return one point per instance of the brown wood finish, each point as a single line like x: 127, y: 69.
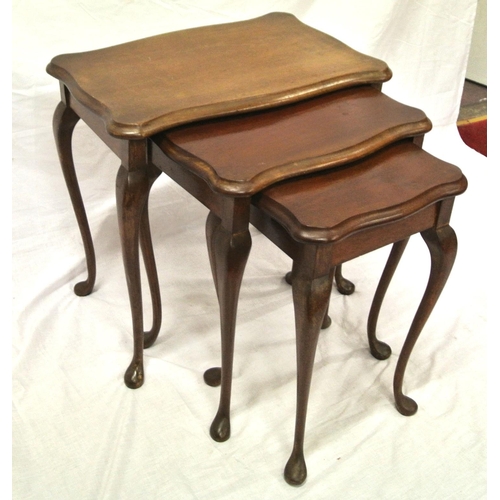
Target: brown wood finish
x: 319, y: 207
x: 328, y: 112
x: 381, y: 350
x: 396, y: 188
x: 311, y: 287
x: 410, y: 178
x: 64, y: 122
x: 229, y: 245
x: 134, y: 227
x: 146, y: 86
x: 242, y: 155
x: 212, y: 150
x: 240, y: 67
x: 344, y: 286
x: 133, y: 183
x: 442, y: 244
x: 407, y: 191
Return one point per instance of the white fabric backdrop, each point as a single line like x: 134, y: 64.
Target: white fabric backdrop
x: 78, y: 432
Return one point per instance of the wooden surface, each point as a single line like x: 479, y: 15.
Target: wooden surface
x: 140, y: 89
x: 143, y: 87
x: 324, y: 219
x: 242, y: 155
x: 130, y: 92
x: 389, y: 185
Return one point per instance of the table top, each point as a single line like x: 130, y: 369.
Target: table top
x: 389, y: 185
x: 144, y: 87
x: 241, y: 155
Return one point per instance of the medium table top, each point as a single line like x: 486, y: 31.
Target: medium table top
x: 241, y: 155
x: 143, y: 87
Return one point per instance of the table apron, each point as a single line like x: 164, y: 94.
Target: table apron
x: 354, y: 245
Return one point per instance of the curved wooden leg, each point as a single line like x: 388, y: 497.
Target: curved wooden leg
x: 212, y: 376
x: 132, y: 189
x: 378, y: 349
x: 228, y: 256
x: 344, y: 286
x: 310, y: 298
x: 150, y: 265
x: 64, y: 122
x: 442, y: 244
x: 327, y: 321
x: 211, y: 225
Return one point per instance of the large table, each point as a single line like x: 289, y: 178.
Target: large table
x: 131, y: 93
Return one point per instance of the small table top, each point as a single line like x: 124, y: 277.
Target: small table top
x: 241, y: 155
x: 144, y: 87
x: 389, y: 185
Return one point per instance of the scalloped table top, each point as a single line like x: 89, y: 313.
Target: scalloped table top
x: 147, y: 86
x: 241, y: 155
x: 390, y: 185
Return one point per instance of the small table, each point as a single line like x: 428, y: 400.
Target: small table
x: 130, y: 93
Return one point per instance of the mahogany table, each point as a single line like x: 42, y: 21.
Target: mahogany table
x: 128, y: 93
x: 228, y: 112
x: 379, y: 188
x: 334, y: 216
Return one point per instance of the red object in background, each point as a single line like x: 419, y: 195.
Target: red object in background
x: 474, y: 135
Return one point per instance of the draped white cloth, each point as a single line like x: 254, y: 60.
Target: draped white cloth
x: 78, y: 432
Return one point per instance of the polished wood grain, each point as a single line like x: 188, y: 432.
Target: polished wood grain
x: 245, y: 154
x: 273, y: 99
x: 143, y: 87
x: 135, y: 178
x: 409, y: 178
x: 63, y: 124
x: 324, y: 219
x: 132, y: 192
x: 318, y: 221
x: 237, y: 157
x: 130, y: 92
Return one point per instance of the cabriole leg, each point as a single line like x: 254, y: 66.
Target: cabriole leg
x: 132, y: 189
x: 150, y: 265
x: 442, y: 244
x: 381, y: 350
x: 310, y: 299
x: 327, y: 321
x: 344, y: 286
x: 64, y: 122
x: 212, y: 376
x: 228, y: 256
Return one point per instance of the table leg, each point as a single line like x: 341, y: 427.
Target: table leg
x: 344, y: 286
x: 212, y: 224
x: 212, y: 376
x: 310, y: 297
x: 378, y: 349
x: 327, y: 321
x: 229, y: 244
x: 442, y: 244
x: 150, y: 265
x: 132, y: 191
x: 64, y: 123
